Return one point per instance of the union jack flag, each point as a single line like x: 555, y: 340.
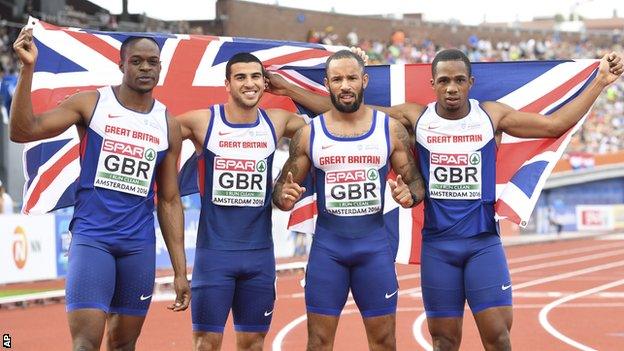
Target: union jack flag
x: 193, y: 72
x: 523, y: 165
x: 192, y: 77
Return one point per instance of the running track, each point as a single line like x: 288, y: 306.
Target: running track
x: 568, y: 295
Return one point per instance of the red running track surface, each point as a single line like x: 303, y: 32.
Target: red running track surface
x: 587, y: 274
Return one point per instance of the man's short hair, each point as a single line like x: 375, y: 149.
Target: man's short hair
x: 241, y: 57
x: 343, y: 54
x: 450, y: 55
x: 131, y: 39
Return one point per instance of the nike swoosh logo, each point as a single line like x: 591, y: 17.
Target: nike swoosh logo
x: 224, y: 133
x: 266, y: 314
x: 114, y: 116
x: 326, y: 146
x: 143, y: 298
x: 505, y: 287
x: 390, y: 295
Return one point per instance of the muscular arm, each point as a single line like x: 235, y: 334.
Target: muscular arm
x: 170, y: 215
x: 286, y: 191
x: 316, y: 103
x: 24, y: 125
x: 407, y: 114
x: 403, y: 162
x: 534, y: 125
x: 285, y: 122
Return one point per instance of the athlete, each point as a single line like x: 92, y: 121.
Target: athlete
x: 234, y: 260
x: 128, y: 145
x: 462, y: 258
x: 350, y: 149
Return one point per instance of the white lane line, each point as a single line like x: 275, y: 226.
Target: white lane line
x: 417, y: 331
x: 564, y: 252
x: 279, y: 338
x: 567, y: 261
x: 543, y: 314
x: 568, y: 275
x: 417, y: 328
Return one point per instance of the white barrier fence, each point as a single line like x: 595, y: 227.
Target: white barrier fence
x: 599, y: 217
x: 35, y: 247
x: 27, y: 248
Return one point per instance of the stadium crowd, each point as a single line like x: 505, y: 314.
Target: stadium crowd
x: 602, y: 132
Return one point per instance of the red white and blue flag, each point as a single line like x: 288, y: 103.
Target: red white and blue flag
x: 192, y: 77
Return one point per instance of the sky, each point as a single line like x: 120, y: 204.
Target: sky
x: 471, y: 12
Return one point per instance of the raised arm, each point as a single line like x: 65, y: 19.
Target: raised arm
x: 171, y: 217
x: 408, y: 189
x: 286, y: 190
x: 407, y: 113
x: 315, y: 102
x: 534, y: 125
x: 25, y: 126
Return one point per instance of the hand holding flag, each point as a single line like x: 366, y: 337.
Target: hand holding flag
x: 611, y: 68
x: 25, y: 47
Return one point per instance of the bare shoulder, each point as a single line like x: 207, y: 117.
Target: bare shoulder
x: 414, y: 108
x: 495, y: 108
x: 190, y: 118
x: 278, y: 114
x: 83, y: 101
x: 303, y: 133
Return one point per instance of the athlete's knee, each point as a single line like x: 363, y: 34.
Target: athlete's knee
x: 81, y: 343
x: 386, y: 342
x: 204, y: 342
x: 318, y: 340
x: 119, y: 340
x: 117, y: 343
x: 498, y: 342
x: 446, y: 341
x: 250, y: 341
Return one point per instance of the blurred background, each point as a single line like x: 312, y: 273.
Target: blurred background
x: 586, y: 191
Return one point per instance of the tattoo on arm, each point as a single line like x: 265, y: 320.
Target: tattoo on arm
x: 409, y: 170
x: 295, y: 149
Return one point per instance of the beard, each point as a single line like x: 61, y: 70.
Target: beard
x: 348, y: 108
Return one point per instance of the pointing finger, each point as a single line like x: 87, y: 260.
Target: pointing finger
x: 399, y: 180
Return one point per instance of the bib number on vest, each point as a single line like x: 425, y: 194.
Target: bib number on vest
x: 455, y: 176
x: 353, y: 192
x: 125, y: 167
x: 239, y: 182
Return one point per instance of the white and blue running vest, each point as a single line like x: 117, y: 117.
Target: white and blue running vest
x: 457, y: 160
x: 236, y: 183
x: 119, y: 154
x: 350, y: 177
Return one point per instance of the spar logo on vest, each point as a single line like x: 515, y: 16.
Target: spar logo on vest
x: 353, y: 192
x: 455, y: 176
x: 239, y: 182
x: 126, y: 166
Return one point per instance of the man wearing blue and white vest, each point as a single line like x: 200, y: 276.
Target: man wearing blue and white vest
x: 350, y: 149
x: 234, y: 260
